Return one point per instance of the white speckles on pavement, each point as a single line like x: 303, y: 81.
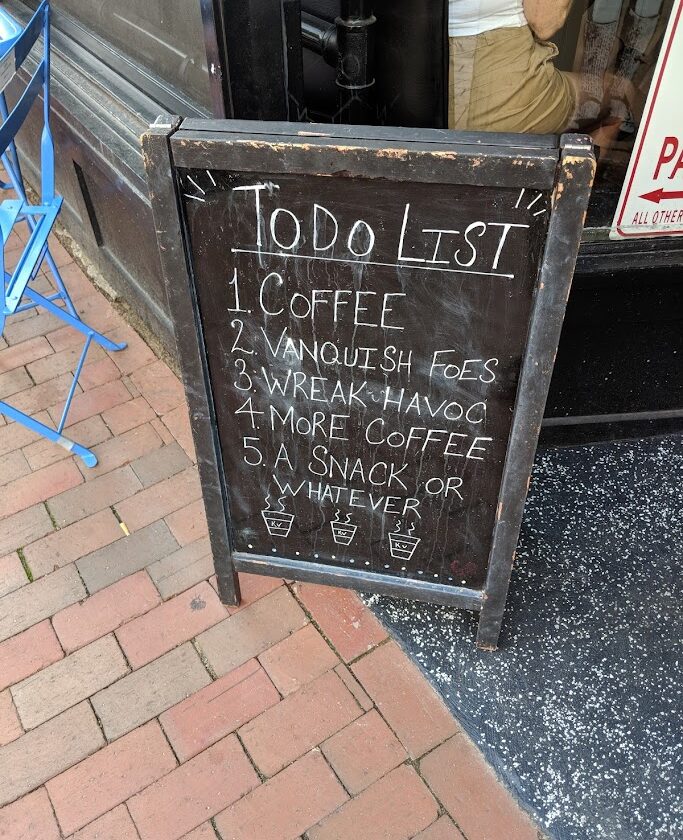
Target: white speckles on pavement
x: 581, y: 712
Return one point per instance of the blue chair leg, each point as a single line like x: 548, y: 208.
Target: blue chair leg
x: 16, y: 293
x: 10, y: 161
x: 73, y: 321
x: 89, y: 458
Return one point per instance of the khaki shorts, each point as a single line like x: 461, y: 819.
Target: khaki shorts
x: 505, y: 80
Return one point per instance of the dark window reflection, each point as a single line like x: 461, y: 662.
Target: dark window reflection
x: 165, y: 36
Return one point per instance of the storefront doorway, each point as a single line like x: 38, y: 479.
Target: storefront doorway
x: 120, y: 64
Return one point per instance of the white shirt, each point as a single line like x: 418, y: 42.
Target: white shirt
x: 470, y: 17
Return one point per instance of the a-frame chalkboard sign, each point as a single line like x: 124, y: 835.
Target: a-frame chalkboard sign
x: 367, y: 321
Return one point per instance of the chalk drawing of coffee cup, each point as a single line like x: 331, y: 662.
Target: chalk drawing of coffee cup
x: 343, y: 532
x: 402, y: 546
x: 278, y: 522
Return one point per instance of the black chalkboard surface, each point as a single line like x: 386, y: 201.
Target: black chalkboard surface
x: 367, y: 321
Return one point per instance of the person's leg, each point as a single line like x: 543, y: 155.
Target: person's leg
x: 639, y: 27
x: 505, y: 80
x: 599, y: 41
x: 461, y: 72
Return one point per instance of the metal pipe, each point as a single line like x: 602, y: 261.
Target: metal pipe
x: 356, y: 9
x: 356, y: 62
x: 320, y: 36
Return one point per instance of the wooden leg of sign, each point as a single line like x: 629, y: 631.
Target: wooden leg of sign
x: 490, y: 622
x: 180, y: 290
x: 570, y: 197
x: 228, y: 583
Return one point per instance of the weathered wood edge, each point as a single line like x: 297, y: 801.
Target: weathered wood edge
x: 576, y: 170
x: 188, y: 333
x: 396, y: 587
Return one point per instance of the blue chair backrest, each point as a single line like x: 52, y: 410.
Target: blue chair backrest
x: 39, y: 24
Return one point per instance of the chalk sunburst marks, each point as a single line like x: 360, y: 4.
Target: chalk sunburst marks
x: 194, y: 190
x: 527, y: 196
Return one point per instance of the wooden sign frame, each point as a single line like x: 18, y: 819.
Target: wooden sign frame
x: 564, y: 168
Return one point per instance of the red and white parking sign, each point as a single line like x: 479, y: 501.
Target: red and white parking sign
x: 651, y: 201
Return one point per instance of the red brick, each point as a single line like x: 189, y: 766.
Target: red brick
x: 110, y: 776
x: 178, y: 424
x: 43, y: 284
x: 104, y: 611
x: 136, y: 353
x: 189, y: 523
x: 128, y: 415
x: 302, y: 720
x: 98, y: 313
x: 194, y: 792
x: 63, y: 362
x: 27, y: 606
x: 28, y: 652
x: 69, y: 681
x: 114, y: 825
x: 163, y: 432
x: 253, y: 588
x: 37, y: 398
x: 298, y: 660
x: 354, y: 687
x: 17, y: 237
x: 13, y: 465
x: 168, y: 625
x: 400, y: 803
x: 89, y: 432
x: 442, y: 829
x: 30, y: 818
x: 68, y: 544
x: 145, y: 693
x: 404, y: 697
x: 98, y: 373
x: 251, y: 631
x: 162, y: 389
x: 14, y: 381
x: 160, y: 499
x: 343, y: 618
x: 286, y: 805
x: 132, y: 387
x: 218, y: 709
x: 160, y: 464
x: 204, y: 832
x: 47, y: 750
x: 468, y: 788
x: 10, y: 726
x: 24, y: 492
x: 94, y: 401
x: 121, y: 450
x: 41, y: 323
x: 96, y: 495
x: 363, y: 752
x: 76, y: 281
x: 64, y: 337
x: 24, y: 527
x: 12, y: 574
x: 114, y: 562
x: 183, y: 568
x: 14, y: 248
x: 59, y: 254
x: 24, y: 353
x: 15, y: 436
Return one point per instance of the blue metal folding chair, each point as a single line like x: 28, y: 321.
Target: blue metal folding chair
x: 17, y: 294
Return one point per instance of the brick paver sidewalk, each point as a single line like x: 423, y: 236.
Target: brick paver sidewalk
x: 132, y: 703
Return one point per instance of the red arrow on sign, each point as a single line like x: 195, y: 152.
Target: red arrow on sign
x: 661, y: 194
